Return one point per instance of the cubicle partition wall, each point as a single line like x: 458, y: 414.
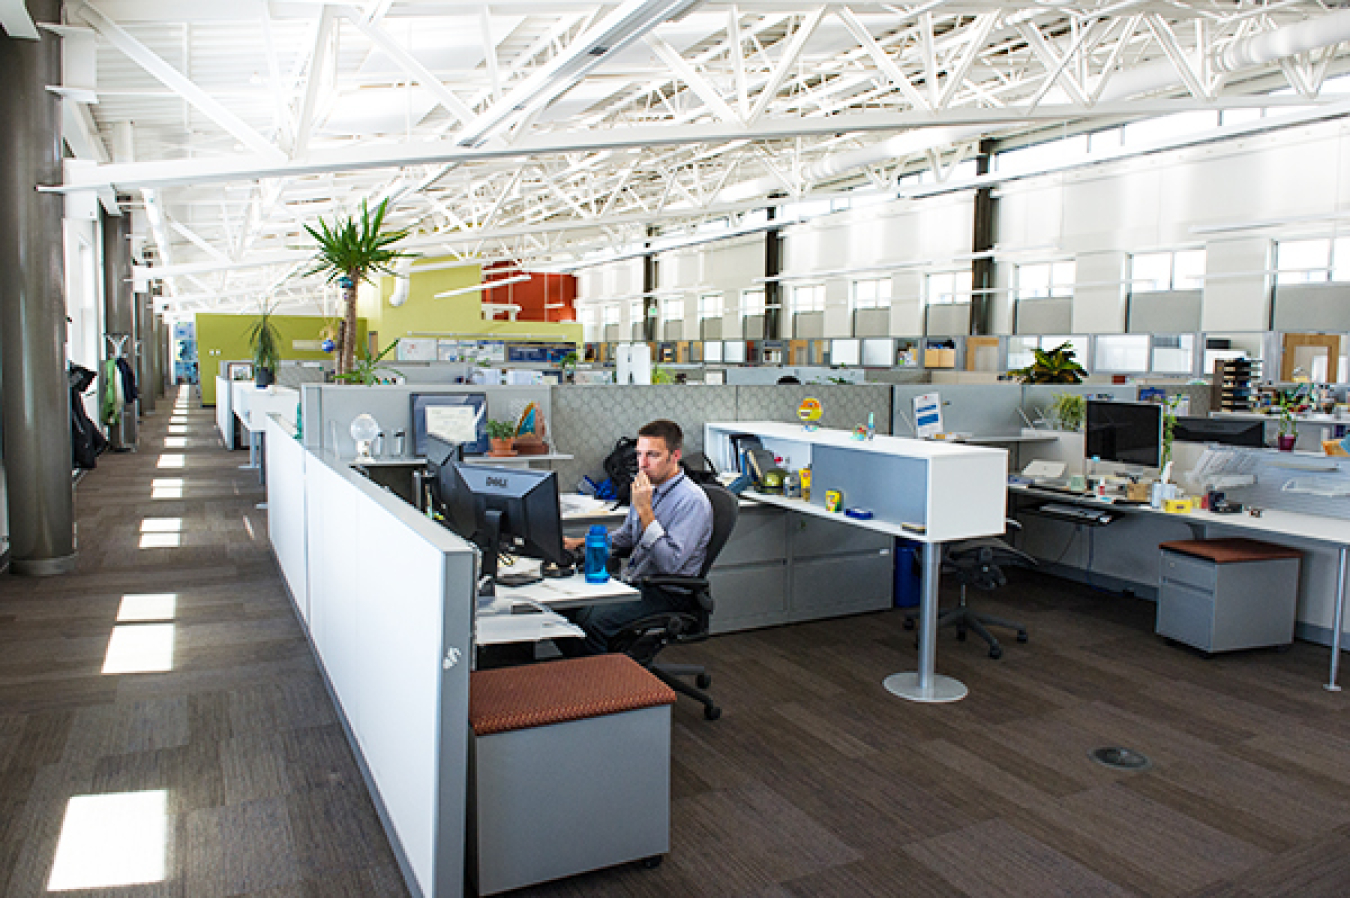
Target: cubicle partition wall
x: 982, y: 410
x: 328, y: 410
x: 224, y: 412
x: 387, y: 597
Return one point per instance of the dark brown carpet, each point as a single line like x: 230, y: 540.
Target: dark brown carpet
x: 816, y: 782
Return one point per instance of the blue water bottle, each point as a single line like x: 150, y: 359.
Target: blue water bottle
x: 597, y: 555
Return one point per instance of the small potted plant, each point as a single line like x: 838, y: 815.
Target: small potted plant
x: 1288, y: 405
x: 1069, y: 410
x: 501, y: 434
x: 265, y: 342
x: 1053, y: 366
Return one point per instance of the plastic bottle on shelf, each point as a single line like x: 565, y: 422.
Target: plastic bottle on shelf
x: 597, y: 554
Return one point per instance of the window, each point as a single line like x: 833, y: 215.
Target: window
x: 944, y: 287
x: 808, y: 298
x: 672, y: 308
x: 1168, y: 270
x: 752, y: 302
x: 635, y: 311
x: 1312, y: 261
x: 1042, y: 280
x: 709, y: 306
x: 611, y: 314
x: 871, y: 293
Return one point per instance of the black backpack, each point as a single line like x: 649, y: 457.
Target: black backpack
x: 621, y: 466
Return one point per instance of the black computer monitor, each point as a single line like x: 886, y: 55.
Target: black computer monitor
x: 1129, y: 433
x: 1224, y: 431
x: 422, y: 401
x: 498, y: 507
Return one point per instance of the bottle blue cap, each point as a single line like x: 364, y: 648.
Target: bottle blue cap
x: 598, y: 529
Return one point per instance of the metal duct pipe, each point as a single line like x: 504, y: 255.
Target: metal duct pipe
x: 1259, y: 49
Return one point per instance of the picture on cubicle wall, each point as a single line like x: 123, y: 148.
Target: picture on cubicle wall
x: 422, y: 401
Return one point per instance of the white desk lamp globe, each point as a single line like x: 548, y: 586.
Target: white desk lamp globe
x: 364, y: 431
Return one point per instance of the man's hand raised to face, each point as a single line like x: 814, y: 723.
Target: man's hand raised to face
x: 642, y: 498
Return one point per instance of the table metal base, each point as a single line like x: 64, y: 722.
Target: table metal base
x: 940, y: 688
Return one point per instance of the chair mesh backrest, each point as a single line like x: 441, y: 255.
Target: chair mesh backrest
x: 725, y: 508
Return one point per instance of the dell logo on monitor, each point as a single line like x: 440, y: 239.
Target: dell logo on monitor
x: 499, y: 482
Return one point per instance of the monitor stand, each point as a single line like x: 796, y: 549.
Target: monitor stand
x: 490, y: 542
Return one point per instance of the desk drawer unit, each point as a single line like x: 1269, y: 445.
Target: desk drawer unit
x: 1220, y: 595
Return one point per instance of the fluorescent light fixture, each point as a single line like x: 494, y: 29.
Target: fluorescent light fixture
x: 486, y: 285
x: 171, y: 461
x: 995, y: 253
x: 117, y: 839
x: 150, y: 606
x: 140, y: 648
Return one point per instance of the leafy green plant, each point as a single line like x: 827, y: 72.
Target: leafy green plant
x: 662, y: 375
x: 1053, y: 366
x: 1069, y: 410
x: 1289, y: 403
x: 265, y: 340
x: 500, y: 430
x: 366, y: 371
x: 1169, y: 425
x: 348, y: 252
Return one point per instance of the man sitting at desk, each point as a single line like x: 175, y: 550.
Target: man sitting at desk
x: 667, y: 529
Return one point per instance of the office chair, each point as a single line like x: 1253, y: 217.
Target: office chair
x: 643, y: 639
x: 976, y: 562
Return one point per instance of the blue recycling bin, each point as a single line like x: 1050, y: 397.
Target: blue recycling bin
x: 908, y: 557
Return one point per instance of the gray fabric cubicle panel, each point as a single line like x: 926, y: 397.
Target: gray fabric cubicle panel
x: 588, y: 420
x: 1045, y: 316
x: 1038, y: 398
x: 710, y: 328
x: 1167, y: 312
x: 981, y: 409
x: 1312, y: 307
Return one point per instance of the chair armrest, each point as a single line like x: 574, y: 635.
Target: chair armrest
x: 675, y: 581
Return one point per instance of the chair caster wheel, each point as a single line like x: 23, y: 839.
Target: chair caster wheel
x: 909, y: 623
x: 712, y: 712
x: 960, y: 635
x: 1022, y: 636
x: 996, y: 652
x: 651, y: 863
x: 703, y: 680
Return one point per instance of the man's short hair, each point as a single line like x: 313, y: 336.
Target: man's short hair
x: 664, y: 430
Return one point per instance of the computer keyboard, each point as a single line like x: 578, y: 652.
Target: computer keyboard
x: 1079, y: 514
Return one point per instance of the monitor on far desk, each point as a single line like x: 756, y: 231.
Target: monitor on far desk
x: 1127, y: 433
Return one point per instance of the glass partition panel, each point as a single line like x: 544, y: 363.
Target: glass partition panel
x: 1122, y: 353
x: 733, y: 351
x: 844, y: 352
x: 1173, y: 353
x: 878, y: 352
x: 1233, y: 346
x: 712, y: 351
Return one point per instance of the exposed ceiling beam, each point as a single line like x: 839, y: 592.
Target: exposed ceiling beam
x: 177, y: 82
x: 367, y: 156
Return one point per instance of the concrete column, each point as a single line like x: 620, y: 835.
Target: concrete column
x: 119, y: 314
x: 36, y: 394
x: 145, y: 355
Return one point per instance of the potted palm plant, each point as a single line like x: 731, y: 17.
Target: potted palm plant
x: 349, y: 252
x: 265, y: 342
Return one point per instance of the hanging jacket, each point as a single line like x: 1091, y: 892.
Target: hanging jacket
x: 129, y: 391
x: 86, y: 440
x: 111, y: 409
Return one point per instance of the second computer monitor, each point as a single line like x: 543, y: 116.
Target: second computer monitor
x: 1128, y: 433
x: 1224, y: 431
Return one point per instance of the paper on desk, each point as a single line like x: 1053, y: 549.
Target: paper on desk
x: 576, y: 505
x: 495, y: 629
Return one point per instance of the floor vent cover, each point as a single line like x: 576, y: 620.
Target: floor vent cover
x: 1120, y: 758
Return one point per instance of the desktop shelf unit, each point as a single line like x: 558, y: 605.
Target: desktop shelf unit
x: 1233, y: 384
x: 953, y: 490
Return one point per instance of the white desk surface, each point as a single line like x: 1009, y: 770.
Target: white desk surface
x: 497, y: 623
x: 905, y: 447
x: 819, y: 511
x: 1272, y: 521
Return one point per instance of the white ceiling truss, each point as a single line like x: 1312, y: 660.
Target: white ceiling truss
x: 543, y: 131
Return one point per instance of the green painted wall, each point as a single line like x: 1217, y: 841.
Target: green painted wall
x: 423, y: 313
x: 224, y: 338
